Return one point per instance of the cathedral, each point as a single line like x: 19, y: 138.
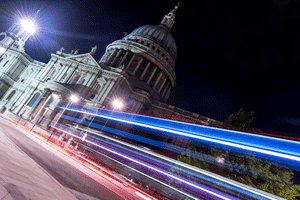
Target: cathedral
x: 139, y: 69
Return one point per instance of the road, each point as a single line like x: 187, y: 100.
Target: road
x: 81, y: 185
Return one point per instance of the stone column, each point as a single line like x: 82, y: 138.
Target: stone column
x: 162, y: 85
x: 115, y: 59
x: 121, y: 62
x: 148, y: 82
x: 138, y: 65
x: 158, y: 79
x: 111, y: 57
x: 130, y: 61
x: 43, y: 106
x: 89, y: 80
x: 144, y: 72
x: 63, y: 72
x: 100, y: 96
x: 46, y: 71
x: 110, y: 85
x: 167, y: 94
x: 165, y: 90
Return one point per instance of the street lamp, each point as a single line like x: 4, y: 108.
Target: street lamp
x: 28, y: 26
x: 117, y: 104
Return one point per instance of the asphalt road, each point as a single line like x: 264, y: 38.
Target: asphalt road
x: 81, y: 185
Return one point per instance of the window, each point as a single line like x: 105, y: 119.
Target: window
x: 92, y: 96
x: 33, y: 100
x: 5, y: 63
x: 11, y: 95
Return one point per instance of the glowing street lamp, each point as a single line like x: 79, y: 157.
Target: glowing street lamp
x: 28, y: 26
x: 117, y: 104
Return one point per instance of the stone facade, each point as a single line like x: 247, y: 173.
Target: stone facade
x: 139, y: 69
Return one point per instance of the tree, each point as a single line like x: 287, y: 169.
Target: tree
x: 245, y: 169
x: 241, y: 119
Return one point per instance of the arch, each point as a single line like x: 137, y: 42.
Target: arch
x: 33, y: 99
x: 11, y: 95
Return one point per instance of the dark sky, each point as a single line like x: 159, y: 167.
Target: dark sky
x: 231, y: 54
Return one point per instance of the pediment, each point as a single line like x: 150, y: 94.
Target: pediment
x: 85, y: 59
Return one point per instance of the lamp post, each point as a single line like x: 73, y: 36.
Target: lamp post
x: 117, y: 104
x: 28, y: 26
x: 73, y: 99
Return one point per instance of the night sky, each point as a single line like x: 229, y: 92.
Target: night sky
x: 231, y: 55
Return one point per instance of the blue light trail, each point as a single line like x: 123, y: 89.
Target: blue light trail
x: 272, y: 148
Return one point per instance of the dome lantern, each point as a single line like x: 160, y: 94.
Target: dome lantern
x: 169, y: 19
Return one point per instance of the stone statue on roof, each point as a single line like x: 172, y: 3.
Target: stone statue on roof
x: 93, y: 51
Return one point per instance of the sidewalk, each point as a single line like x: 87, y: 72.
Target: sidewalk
x: 23, y: 179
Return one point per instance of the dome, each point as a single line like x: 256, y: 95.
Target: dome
x: 159, y: 35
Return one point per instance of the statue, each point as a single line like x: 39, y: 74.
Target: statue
x: 93, y: 50
x: 122, y: 66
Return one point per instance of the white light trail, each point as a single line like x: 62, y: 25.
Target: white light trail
x: 249, y: 148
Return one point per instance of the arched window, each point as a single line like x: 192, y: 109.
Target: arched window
x: 92, y: 96
x: 33, y: 100
x: 11, y: 95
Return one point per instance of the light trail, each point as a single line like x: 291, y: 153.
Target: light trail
x: 152, y: 168
x: 219, y: 178
x: 236, y: 185
x: 150, y: 177
x: 249, y: 148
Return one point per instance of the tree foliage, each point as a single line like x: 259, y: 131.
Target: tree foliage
x: 246, y: 169
x: 241, y: 119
